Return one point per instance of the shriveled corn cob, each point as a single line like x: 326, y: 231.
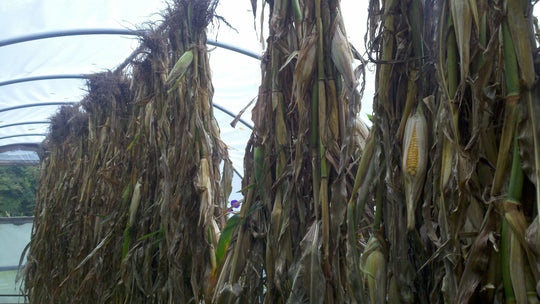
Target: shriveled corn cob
x: 414, y: 161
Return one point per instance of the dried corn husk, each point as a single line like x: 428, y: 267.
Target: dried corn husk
x: 531, y: 236
x: 464, y: 13
x: 305, y: 65
x: 134, y: 206
x: 342, y: 57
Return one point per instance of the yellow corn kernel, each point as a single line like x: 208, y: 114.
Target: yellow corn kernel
x: 412, y: 154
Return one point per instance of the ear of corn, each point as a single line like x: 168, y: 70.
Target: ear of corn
x: 414, y: 162
x: 374, y: 264
x: 179, y: 69
x: 446, y: 163
x: 204, y: 185
x: 305, y: 65
x: 135, y: 199
x: 342, y: 57
x: 464, y: 12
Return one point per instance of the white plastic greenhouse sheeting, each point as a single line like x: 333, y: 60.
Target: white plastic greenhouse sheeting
x: 13, y: 238
x: 19, y: 156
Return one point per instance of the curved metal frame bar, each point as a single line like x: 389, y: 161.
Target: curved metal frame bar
x: 233, y: 48
x: 41, y: 104
x: 75, y: 32
x: 23, y: 135
x: 111, y: 31
x: 20, y: 146
x: 56, y: 103
x: 43, y: 77
x: 231, y: 114
x: 44, y: 122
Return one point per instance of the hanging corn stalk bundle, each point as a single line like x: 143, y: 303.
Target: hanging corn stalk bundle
x: 291, y: 239
x: 77, y: 224
x: 180, y: 137
x: 456, y: 83
x: 131, y: 197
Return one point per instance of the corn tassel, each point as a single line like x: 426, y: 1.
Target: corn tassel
x: 414, y: 161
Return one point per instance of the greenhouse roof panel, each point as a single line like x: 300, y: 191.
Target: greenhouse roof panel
x: 19, y: 156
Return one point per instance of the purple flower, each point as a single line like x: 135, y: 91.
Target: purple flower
x: 235, y: 204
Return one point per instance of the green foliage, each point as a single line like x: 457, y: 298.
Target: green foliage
x: 18, y: 185
x: 226, y: 237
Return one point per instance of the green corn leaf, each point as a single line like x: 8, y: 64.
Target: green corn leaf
x: 226, y: 237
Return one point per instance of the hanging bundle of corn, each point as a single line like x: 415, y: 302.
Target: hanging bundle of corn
x: 471, y: 179
x: 401, y: 86
x: 131, y: 196
x: 77, y: 221
x: 291, y: 245
x: 180, y: 135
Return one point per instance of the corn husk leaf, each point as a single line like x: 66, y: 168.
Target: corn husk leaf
x: 529, y: 140
x: 518, y: 224
x: 226, y: 237
x: 531, y: 236
x: 134, y: 205
x: 517, y: 270
x: 342, y: 57
x: 305, y: 65
x: 520, y: 29
x: 308, y: 278
x: 464, y: 13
